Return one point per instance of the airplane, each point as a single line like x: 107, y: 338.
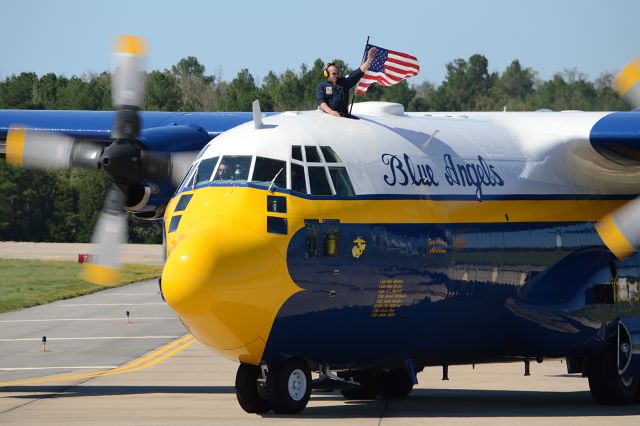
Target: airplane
x: 364, y: 250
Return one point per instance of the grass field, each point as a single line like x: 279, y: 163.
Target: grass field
x: 25, y: 283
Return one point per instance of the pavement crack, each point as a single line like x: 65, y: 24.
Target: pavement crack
x: 48, y: 395
x: 384, y: 408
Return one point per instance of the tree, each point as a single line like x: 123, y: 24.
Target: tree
x: 163, y: 92
x: 241, y: 92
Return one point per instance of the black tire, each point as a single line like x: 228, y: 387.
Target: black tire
x: 368, y: 388
x: 247, y: 390
x: 395, y: 383
x: 607, y: 387
x: 289, y: 386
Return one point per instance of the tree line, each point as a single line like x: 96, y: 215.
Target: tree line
x: 64, y: 206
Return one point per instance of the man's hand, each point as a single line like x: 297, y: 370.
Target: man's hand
x: 372, y: 53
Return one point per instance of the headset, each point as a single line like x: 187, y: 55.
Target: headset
x: 326, y: 69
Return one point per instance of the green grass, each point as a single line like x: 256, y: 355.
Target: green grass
x: 25, y: 283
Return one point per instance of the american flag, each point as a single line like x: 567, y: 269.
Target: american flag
x: 387, y: 68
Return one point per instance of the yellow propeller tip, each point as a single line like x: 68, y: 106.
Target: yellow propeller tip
x: 15, y: 146
x: 613, y: 238
x: 627, y: 77
x: 131, y: 44
x: 100, y: 275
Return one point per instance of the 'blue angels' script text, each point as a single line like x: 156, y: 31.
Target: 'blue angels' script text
x: 403, y: 171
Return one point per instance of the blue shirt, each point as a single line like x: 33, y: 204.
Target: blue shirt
x: 337, y: 95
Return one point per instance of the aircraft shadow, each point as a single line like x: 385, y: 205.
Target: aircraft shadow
x: 75, y: 391
x: 452, y: 403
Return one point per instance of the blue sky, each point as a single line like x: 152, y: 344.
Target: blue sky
x: 73, y: 37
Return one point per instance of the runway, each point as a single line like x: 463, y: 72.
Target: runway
x: 98, y: 369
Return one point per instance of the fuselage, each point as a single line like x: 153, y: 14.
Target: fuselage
x: 441, y: 239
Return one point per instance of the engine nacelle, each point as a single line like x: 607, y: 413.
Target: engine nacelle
x: 146, y: 201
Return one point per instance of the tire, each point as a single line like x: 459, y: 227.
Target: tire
x: 395, y: 384
x: 247, y: 390
x: 368, y: 388
x: 607, y: 387
x: 289, y: 386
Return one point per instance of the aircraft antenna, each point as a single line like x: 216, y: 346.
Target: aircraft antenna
x: 364, y: 55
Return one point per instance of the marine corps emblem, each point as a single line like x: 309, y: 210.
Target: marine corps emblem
x: 359, y: 245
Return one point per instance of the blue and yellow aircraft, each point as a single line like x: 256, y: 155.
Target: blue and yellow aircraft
x: 367, y: 249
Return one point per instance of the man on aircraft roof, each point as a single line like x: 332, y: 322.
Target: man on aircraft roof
x: 332, y: 94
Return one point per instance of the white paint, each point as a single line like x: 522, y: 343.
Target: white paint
x: 49, y: 339
x: 87, y: 367
x: 75, y: 305
x: 88, y: 319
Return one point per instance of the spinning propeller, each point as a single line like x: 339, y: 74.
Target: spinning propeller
x: 126, y: 159
x: 620, y: 230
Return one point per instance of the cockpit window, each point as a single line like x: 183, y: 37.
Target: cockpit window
x: 233, y: 168
x: 330, y: 155
x: 205, y: 170
x: 188, y: 178
x: 296, y: 152
x: 318, y: 181
x: 341, y: 181
x: 312, y: 154
x: 266, y: 169
x: 298, y: 182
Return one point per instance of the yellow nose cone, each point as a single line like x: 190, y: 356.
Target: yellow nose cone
x: 227, y: 284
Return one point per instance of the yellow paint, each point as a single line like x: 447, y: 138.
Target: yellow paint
x: 627, y: 77
x: 141, y: 363
x: 100, y: 275
x: 613, y: 238
x: 227, y: 277
x: 15, y: 146
x: 227, y: 283
x: 131, y: 44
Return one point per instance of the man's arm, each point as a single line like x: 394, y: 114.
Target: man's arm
x: 326, y: 108
x: 322, y: 103
x: 370, y: 55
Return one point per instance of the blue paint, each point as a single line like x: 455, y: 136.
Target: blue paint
x: 97, y: 125
x: 617, y: 136
x: 469, y: 293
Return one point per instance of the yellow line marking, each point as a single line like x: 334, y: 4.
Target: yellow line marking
x: 146, y: 361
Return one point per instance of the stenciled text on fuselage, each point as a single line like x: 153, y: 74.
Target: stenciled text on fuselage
x: 403, y: 171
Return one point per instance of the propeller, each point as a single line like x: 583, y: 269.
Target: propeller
x: 126, y: 159
x: 620, y: 230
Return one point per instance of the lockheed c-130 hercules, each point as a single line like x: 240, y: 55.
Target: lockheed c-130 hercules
x: 367, y: 249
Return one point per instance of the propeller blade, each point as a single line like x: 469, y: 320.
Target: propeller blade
x: 45, y: 150
x: 127, y: 87
x: 627, y: 83
x: 109, y: 235
x: 620, y: 230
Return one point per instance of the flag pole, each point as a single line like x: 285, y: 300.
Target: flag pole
x: 364, y: 55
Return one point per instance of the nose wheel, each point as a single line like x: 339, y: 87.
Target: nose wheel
x: 289, y: 386
x: 248, y: 390
x: 286, y: 390
x: 607, y: 387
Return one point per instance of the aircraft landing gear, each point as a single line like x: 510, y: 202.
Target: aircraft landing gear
x: 248, y: 392
x: 388, y: 384
x: 607, y: 387
x: 289, y: 386
x: 395, y: 384
x: 286, y: 390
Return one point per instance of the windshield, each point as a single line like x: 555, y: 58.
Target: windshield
x: 233, y: 168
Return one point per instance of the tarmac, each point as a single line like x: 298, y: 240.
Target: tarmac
x: 101, y: 367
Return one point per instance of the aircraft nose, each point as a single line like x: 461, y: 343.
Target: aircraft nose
x: 226, y: 283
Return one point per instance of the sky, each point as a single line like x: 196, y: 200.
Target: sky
x: 75, y: 37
